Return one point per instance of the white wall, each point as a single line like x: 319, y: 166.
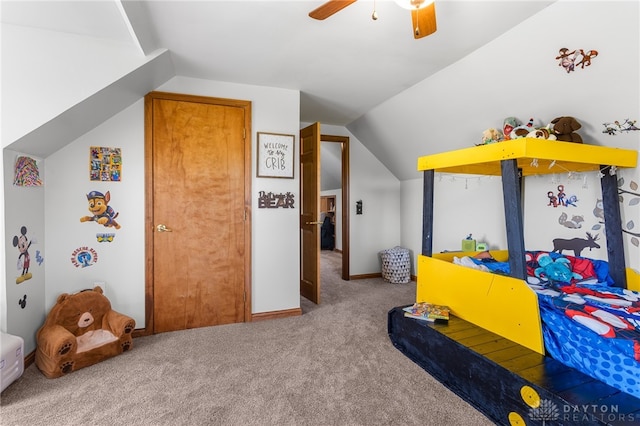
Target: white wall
x: 463, y: 205
x: 24, y: 207
x: 275, y: 243
x: 517, y: 75
x: 39, y: 67
x: 275, y: 232
x: 120, y: 263
x: 378, y: 228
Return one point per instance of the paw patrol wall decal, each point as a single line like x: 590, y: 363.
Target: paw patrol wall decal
x: 23, y: 243
x: 83, y: 257
x: 570, y: 60
x: 101, y: 211
x: 105, y: 238
x: 105, y: 164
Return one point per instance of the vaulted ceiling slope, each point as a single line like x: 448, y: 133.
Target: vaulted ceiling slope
x: 343, y: 66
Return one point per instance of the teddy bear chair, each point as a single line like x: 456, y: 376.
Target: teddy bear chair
x: 80, y: 330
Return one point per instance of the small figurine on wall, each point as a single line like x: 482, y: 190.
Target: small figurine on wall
x: 24, y: 259
x: 616, y: 126
x: 570, y: 60
x: 102, y: 212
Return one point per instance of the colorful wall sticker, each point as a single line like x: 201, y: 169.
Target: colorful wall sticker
x: 23, y: 243
x: 105, y: 238
x: 83, y: 257
x: 26, y: 172
x: 101, y: 211
x: 560, y: 198
x: 105, y: 164
x: 570, y: 60
x: 617, y: 127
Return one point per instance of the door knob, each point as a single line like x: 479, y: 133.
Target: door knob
x: 162, y: 228
x: 313, y: 223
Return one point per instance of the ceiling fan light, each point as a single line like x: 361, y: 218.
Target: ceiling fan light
x: 413, y: 4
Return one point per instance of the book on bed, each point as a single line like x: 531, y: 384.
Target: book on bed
x: 427, y: 311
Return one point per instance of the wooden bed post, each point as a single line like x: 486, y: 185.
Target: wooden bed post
x: 427, y: 212
x: 513, y: 218
x: 613, y: 227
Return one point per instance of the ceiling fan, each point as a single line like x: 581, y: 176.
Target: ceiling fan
x: 423, y: 14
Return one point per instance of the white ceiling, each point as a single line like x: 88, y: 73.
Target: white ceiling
x: 343, y: 66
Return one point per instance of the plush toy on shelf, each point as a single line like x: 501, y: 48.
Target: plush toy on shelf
x: 565, y: 129
x: 491, y: 135
x: 508, y: 125
x: 522, y: 130
x: 542, y: 133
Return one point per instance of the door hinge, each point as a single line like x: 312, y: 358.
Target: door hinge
x: 244, y: 133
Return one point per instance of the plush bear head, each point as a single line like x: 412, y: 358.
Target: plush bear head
x: 564, y: 128
x: 80, y: 312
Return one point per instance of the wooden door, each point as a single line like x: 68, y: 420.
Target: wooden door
x: 198, y: 239
x: 310, y: 212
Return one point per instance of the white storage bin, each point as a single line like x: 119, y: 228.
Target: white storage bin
x: 11, y: 359
x: 396, y: 265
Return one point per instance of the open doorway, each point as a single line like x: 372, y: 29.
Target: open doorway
x: 310, y: 164
x: 334, y: 203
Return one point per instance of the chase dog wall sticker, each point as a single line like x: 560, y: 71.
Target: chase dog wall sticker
x: 571, y: 59
x: 101, y: 212
x: 23, y: 244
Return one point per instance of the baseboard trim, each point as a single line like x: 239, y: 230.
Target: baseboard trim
x: 365, y: 276
x: 376, y: 275
x: 29, y: 359
x: 261, y: 316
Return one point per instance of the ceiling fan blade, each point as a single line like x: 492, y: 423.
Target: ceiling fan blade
x: 424, y: 21
x: 329, y: 8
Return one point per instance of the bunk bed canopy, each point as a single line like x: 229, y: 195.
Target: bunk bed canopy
x: 514, y: 307
x: 533, y: 157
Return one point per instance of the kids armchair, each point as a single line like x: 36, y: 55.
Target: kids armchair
x: 81, y: 330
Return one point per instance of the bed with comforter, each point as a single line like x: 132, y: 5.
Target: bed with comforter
x: 587, y: 323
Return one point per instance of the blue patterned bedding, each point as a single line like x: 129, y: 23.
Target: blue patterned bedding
x: 587, y: 324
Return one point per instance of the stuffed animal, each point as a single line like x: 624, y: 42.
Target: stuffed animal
x: 555, y: 271
x: 565, y: 129
x: 522, y: 130
x: 81, y: 329
x: 491, y: 135
x: 542, y: 133
x: 507, y: 127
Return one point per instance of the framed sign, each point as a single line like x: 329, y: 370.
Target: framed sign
x: 275, y: 155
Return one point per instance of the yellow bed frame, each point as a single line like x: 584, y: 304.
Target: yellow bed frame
x: 501, y: 304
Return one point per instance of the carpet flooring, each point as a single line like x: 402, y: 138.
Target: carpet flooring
x: 334, y: 365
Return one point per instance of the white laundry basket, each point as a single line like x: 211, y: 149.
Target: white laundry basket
x: 11, y: 359
x: 396, y: 265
